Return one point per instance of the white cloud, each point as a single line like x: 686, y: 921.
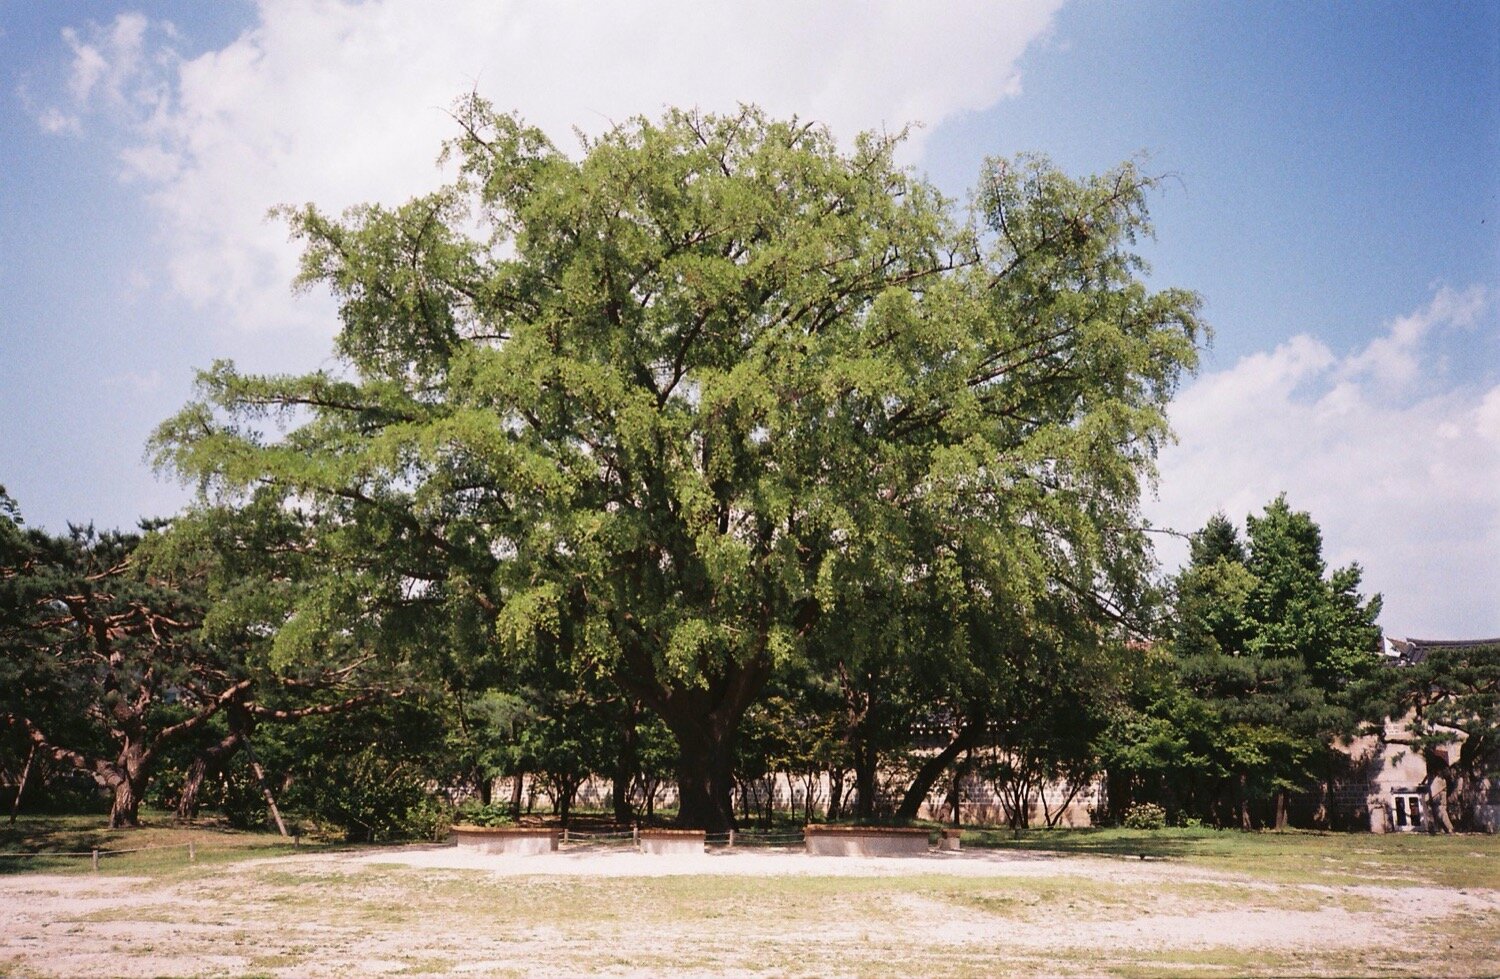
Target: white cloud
x: 54, y: 120
x: 1394, y: 358
x: 1403, y: 479
x: 106, y: 60
x: 337, y: 102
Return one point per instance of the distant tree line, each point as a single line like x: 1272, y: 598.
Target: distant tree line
x: 148, y: 663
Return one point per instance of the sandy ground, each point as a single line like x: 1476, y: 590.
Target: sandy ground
x: 1290, y: 929
x: 448, y: 911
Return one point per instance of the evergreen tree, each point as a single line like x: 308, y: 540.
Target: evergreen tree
x: 1266, y: 654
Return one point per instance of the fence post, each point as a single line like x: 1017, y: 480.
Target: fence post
x: 192, y: 852
x: 731, y: 839
x: 565, y: 834
x: 635, y: 835
x: 96, y: 860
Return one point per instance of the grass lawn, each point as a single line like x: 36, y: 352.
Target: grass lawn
x: 1067, y: 902
x: 62, y: 844
x: 1291, y: 856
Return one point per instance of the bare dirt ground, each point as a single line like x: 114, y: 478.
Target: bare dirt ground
x: 445, y: 911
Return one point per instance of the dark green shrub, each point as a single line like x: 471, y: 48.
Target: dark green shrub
x: 476, y: 814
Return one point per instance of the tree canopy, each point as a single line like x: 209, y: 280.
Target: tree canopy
x: 1267, y: 660
x: 663, y: 410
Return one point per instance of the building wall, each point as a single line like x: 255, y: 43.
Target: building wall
x: 1381, y: 777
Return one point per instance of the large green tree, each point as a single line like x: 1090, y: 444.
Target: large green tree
x: 664, y: 407
x: 1303, y: 610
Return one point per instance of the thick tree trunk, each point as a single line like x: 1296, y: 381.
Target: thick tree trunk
x: 704, y: 720
x: 128, y: 780
x: 1437, y: 805
x: 620, y: 795
x: 1281, y: 816
x: 125, y: 809
x: 213, y: 756
x: 625, y: 768
x: 517, y: 782
x: 932, y: 770
x: 835, y: 794
x: 705, y: 780
x: 1117, y: 795
x: 865, y: 763
x: 192, y: 785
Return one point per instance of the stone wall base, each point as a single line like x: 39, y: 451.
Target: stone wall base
x: 506, y: 840
x: 860, y: 841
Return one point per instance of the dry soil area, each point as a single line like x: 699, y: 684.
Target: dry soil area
x: 445, y: 911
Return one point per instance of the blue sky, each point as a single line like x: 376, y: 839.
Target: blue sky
x: 1333, y: 195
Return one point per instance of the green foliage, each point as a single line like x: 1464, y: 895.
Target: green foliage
x: 1449, y: 698
x: 668, y: 412
x: 1300, y: 612
x: 368, y: 773
x: 102, y: 665
x: 1266, y: 664
x: 368, y: 796
x: 474, y: 813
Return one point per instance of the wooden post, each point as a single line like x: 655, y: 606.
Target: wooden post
x: 635, y: 835
x: 260, y: 776
x: 731, y: 839
x: 192, y: 852
x: 96, y: 860
x: 565, y: 834
x: 15, y: 803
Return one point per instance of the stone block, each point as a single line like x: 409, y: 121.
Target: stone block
x: 666, y: 841
x: 864, y: 841
x: 508, y: 840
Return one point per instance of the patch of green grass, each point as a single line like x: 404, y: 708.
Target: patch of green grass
x: 279, y: 960
x: 1292, y: 856
x: 424, y: 967
x: 159, y: 846
x: 1211, y: 962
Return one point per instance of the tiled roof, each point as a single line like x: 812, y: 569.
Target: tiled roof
x: 1411, y: 651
